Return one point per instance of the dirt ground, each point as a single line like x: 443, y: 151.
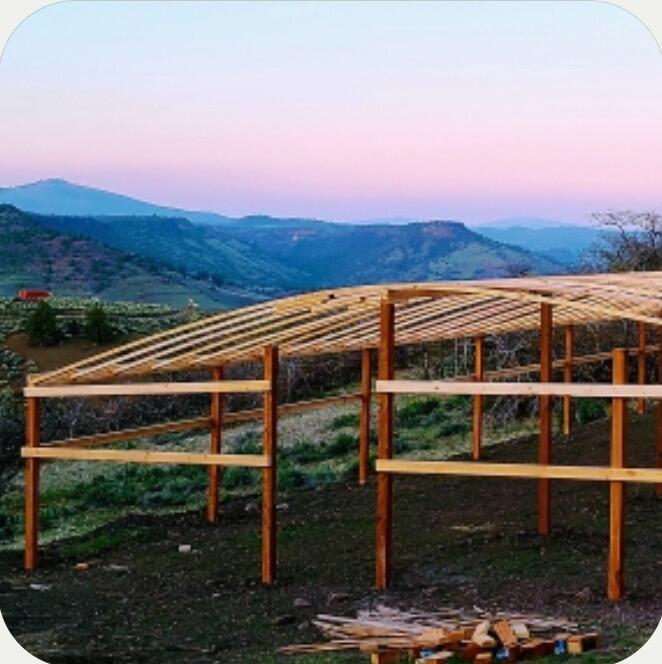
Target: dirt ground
x: 457, y: 542
x: 53, y: 357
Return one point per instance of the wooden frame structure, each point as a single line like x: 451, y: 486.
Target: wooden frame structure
x: 387, y: 387
x: 362, y: 319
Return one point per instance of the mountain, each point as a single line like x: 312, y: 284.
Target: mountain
x: 32, y: 255
x: 275, y: 256
x: 194, y: 248
x: 527, y: 222
x: 344, y: 254
x: 565, y: 244
x: 55, y: 196
x: 272, y: 256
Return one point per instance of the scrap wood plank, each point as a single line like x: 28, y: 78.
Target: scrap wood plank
x: 580, y: 643
x: 505, y: 633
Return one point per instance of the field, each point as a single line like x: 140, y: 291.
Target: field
x: 129, y: 319
x: 458, y: 542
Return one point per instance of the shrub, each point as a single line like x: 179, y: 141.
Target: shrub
x: 237, y: 476
x: 450, y: 427
x: 413, y: 412
x: 341, y: 445
x: 8, y: 526
x: 41, y: 326
x: 589, y: 410
x: 346, y: 420
x: 307, y: 452
x: 290, y: 477
x: 97, y: 326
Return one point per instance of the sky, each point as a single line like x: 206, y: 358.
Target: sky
x: 472, y: 111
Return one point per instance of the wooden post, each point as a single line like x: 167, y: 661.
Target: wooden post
x: 545, y: 446
x: 269, y: 474
x: 641, y: 365
x: 617, y: 489
x: 479, y: 376
x: 215, y: 448
x: 364, y: 425
x: 32, y: 435
x: 567, y: 377
x: 385, y: 447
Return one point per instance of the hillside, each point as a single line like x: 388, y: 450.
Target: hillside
x: 34, y: 256
x: 178, y: 242
x: 346, y: 254
x: 274, y: 255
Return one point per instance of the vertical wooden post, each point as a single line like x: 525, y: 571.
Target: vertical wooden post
x: 617, y: 489
x: 479, y: 376
x: 641, y: 364
x: 545, y: 446
x: 385, y: 447
x: 32, y: 435
x: 364, y: 424
x: 269, y: 474
x: 216, y: 416
x: 567, y: 377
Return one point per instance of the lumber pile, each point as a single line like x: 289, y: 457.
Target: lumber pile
x: 389, y: 635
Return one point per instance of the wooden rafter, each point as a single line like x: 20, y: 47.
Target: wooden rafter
x: 347, y: 319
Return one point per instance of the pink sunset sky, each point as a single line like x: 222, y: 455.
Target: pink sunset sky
x: 472, y: 111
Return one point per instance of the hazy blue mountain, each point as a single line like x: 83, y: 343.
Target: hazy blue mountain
x: 565, y: 244
x: 61, y: 197
x: 527, y: 222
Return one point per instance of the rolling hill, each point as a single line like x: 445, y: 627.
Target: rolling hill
x: 32, y: 255
x: 269, y: 255
x: 346, y: 254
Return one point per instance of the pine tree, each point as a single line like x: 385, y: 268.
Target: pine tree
x: 97, y: 326
x: 42, y: 327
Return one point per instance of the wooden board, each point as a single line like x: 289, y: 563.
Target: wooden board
x: 146, y: 456
x: 140, y: 389
x: 596, y: 390
x: 522, y: 470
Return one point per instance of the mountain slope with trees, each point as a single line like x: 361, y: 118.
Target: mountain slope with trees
x: 274, y: 255
x: 32, y: 255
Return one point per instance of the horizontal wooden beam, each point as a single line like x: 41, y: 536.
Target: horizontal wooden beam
x: 523, y: 470
x: 140, y: 389
x: 129, y: 434
x: 604, y: 390
x: 140, y: 456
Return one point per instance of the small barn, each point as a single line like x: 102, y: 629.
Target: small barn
x: 32, y: 294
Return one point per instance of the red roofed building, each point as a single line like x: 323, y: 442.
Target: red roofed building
x: 30, y: 294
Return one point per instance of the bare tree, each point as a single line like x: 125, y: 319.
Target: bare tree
x: 632, y: 241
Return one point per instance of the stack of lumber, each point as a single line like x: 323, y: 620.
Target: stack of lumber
x: 390, y: 635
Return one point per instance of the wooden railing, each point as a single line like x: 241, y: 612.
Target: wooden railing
x: 78, y: 449
x: 36, y: 452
